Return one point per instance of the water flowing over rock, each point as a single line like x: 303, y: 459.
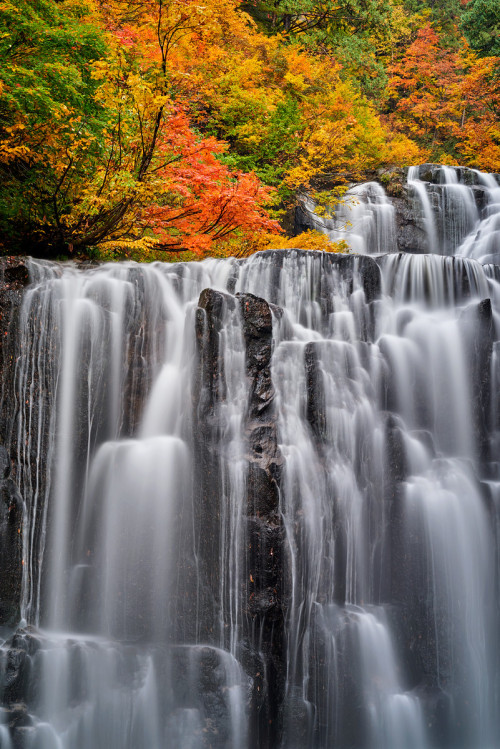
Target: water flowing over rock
x: 256, y: 503
x: 439, y: 210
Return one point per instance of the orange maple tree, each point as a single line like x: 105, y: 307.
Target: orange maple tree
x: 423, y: 89
x: 130, y: 170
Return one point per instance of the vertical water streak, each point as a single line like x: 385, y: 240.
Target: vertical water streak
x: 422, y: 196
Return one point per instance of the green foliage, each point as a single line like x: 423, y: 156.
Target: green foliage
x: 302, y: 16
x: 444, y: 15
x: 46, y: 93
x: 271, y: 155
x: 350, y: 30
x: 481, y: 25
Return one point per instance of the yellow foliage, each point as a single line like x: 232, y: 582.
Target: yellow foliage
x: 308, y: 240
x: 399, y: 149
x: 143, y: 249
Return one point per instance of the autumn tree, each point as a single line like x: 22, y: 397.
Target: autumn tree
x: 50, y: 123
x: 423, y: 90
x: 448, y: 100
x: 351, y: 30
x: 478, y: 131
x: 121, y: 163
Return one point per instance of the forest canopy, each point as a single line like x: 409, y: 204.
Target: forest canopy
x: 147, y: 127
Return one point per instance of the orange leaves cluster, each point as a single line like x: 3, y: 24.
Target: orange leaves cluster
x: 448, y: 100
x: 197, y: 199
x: 424, y: 80
x: 478, y: 133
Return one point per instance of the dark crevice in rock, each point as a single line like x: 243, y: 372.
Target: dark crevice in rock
x: 264, y: 527
x: 477, y: 320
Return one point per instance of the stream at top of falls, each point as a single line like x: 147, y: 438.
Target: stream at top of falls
x: 165, y: 610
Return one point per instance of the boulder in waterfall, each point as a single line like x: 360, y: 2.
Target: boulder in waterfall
x: 209, y: 683
x: 19, y: 686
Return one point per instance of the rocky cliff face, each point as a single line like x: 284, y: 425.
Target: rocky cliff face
x: 14, y: 278
x: 261, y: 608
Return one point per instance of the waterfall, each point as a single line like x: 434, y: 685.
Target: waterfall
x: 440, y: 210
x: 364, y: 219
x: 261, y: 498
x: 483, y: 244
x: 460, y: 210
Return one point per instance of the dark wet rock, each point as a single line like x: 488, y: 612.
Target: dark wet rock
x: 14, y: 281
x: 264, y: 474
x: 18, y: 716
x: 210, y: 384
x: 205, y: 677
x: 371, y: 280
x: 410, y: 227
x: 14, y: 273
x: 5, y: 465
x: 19, y: 685
x: 18, y: 676
x: 208, y: 394
x: 430, y: 173
x: 433, y: 173
x: 262, y: 608
x: 467, y: 176
x: 302, y: 219
x: 315, y: 408
x: 265, y: 462
x: 254, y: 665
x: 257, y: 332
x: 14, y: 277
x: 264, y: 532
x: 11, y: 545
x: 481, y: 198
x: 479, y: 329
x: 265, y: 558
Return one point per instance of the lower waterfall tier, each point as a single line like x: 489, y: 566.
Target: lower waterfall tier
x: 257, y: 504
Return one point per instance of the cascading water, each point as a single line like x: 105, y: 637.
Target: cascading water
x: 364, y: 219
x: 483, y: 244
x: 258, y: 523
x: 444, y: 211
x: 460, y: 210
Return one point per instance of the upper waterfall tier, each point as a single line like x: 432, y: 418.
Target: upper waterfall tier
x: 439, y: 209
